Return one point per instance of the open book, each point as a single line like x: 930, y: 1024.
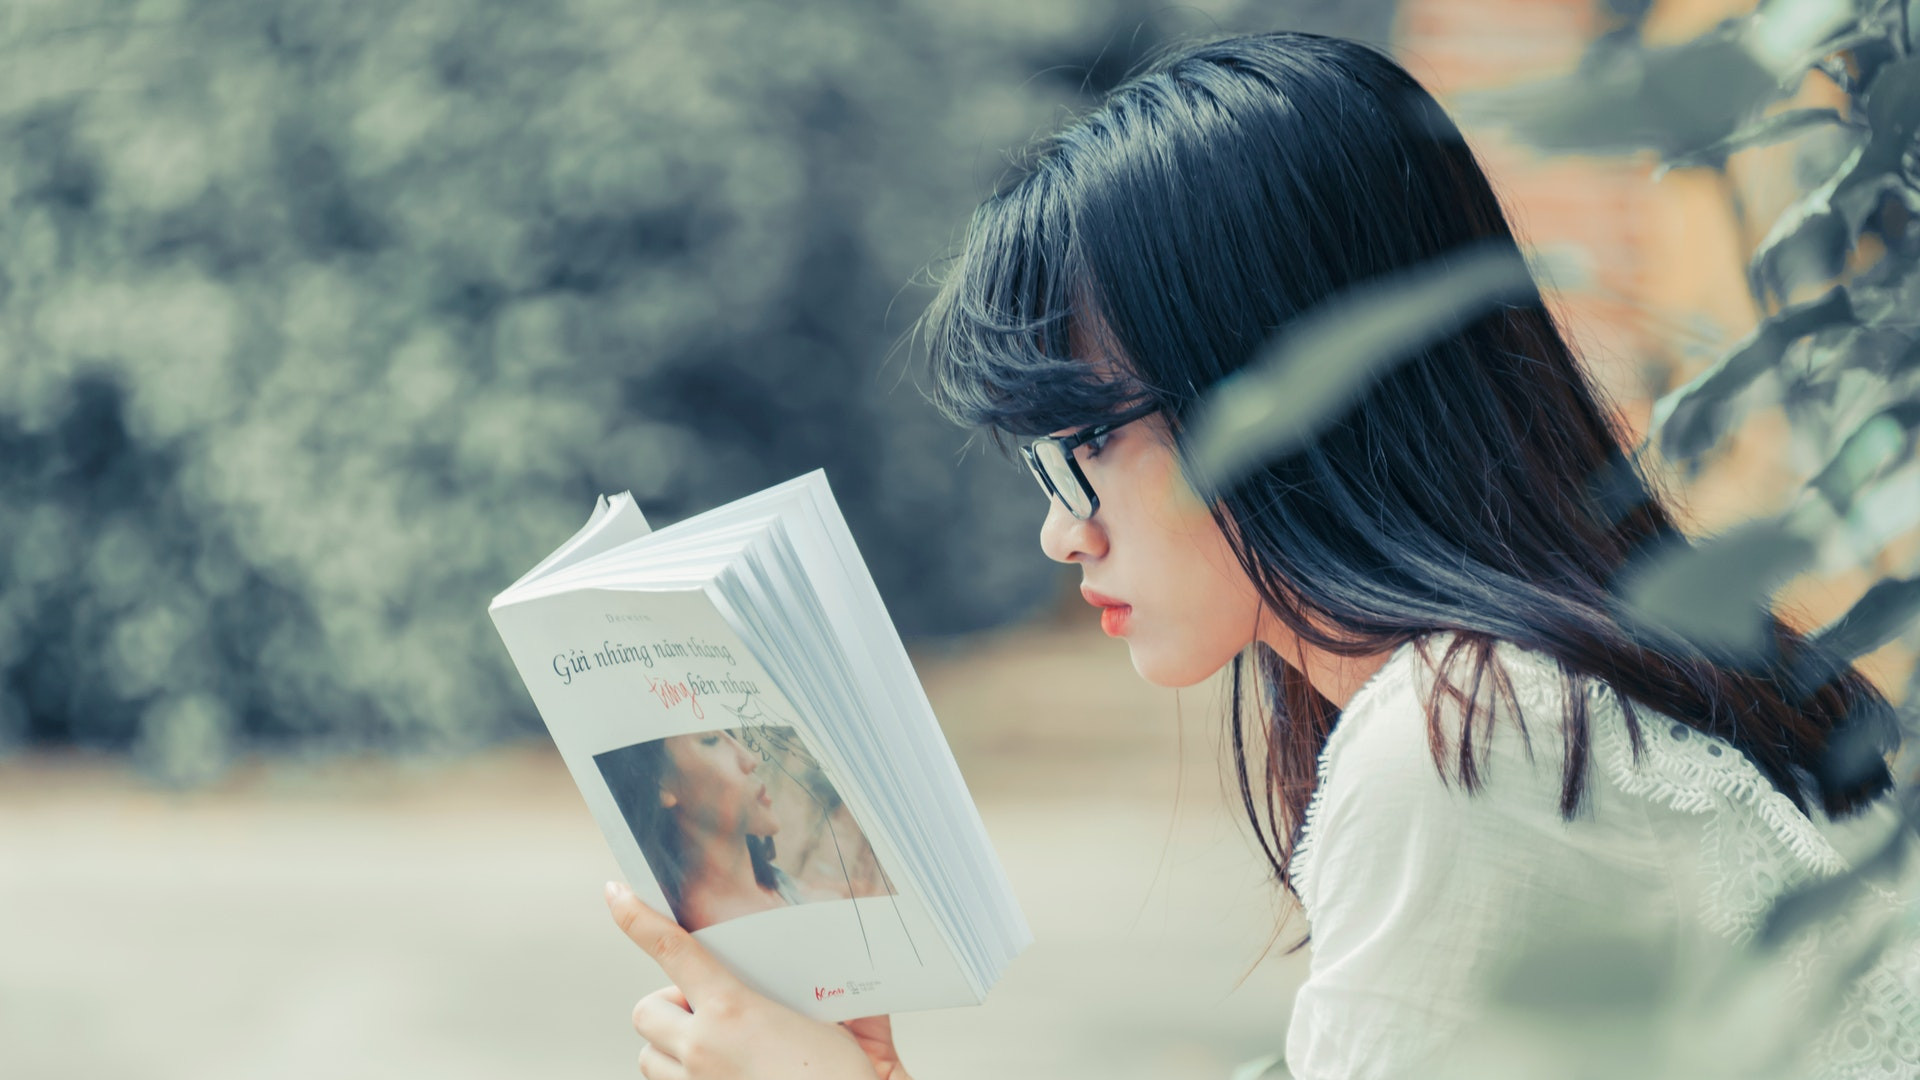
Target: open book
x: 736, y: 707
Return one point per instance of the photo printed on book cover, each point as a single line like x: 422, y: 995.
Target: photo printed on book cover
x: 740, y: 820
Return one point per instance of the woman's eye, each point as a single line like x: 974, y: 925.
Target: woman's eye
x: 1096, y: 444
x: 710, y: 740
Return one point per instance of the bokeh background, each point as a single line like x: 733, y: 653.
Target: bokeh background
x: 319, y: 323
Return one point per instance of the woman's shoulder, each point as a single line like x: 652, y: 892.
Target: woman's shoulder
x: 1680, y: 839
x: 1416, y: 708
x: 1414, y: 711
x: 1490, y: 784
x: 1534, y: 680
x: 1651, y: 787
x: 1392, y: 767
x: 1411, y: 716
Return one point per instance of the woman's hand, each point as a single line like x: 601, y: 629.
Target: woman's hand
x: 710, y: 1026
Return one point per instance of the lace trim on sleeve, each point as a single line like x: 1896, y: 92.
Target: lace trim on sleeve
x: 1756, y: 845
x: 1695, y: 773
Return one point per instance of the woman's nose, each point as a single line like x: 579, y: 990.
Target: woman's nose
x: 749, y: 761
x: 1067, y: 539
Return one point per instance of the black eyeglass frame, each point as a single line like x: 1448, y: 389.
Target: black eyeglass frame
x: 1067, y: 444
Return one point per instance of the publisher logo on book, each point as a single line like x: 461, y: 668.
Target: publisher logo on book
x: 854, y: 987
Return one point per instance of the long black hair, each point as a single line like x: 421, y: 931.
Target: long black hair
x: 1213, y: 198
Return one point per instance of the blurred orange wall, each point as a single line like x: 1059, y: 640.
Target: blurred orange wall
x: 1665, y: 289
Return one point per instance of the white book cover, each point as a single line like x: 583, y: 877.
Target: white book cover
x: 807, y: 823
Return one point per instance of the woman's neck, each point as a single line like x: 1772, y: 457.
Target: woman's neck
x: 719, y: 871
x: 723, y: 861
x: 1333, y: 676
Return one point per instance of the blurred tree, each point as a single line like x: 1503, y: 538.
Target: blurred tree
x: 319, y: 323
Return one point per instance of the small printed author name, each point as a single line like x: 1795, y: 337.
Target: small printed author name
x: 853, y: 988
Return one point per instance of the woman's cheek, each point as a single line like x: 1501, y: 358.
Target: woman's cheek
x: 1189, y: 646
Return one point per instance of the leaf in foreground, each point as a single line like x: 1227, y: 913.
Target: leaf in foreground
x: 1330, y: 356
x: 1692, y: 419
x: 1713, y: 594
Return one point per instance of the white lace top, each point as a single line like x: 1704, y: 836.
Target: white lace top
x: 1483, y: 934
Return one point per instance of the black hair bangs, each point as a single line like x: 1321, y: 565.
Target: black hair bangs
x: 1014, y: 336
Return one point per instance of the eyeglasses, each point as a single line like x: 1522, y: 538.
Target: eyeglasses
x: 1057, y: 471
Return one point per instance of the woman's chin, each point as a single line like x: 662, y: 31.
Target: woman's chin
x: 1174, y: 673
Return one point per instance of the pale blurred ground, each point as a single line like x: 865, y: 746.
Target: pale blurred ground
x: 380, y: 919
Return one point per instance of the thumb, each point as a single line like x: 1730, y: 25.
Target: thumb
x: 687, y: 962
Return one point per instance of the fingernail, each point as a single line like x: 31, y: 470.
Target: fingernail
x: 613, y: 891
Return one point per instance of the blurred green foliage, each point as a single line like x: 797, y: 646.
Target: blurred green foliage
x: 319, y: 323
x: 1837, y: 348
x: 1837, y: 279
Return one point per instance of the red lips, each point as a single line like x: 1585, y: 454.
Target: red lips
x: 1113, y: 613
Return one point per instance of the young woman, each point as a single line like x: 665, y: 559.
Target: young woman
x: 1453, y: 749
x: 705, y: 822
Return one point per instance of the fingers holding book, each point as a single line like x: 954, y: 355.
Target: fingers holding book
x: 655, y: 1065
x: 665, y: 1019
x: 710, y: 1026
x: 688, y: 963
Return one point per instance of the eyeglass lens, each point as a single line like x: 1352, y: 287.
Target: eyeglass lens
x: 1066, y: 483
